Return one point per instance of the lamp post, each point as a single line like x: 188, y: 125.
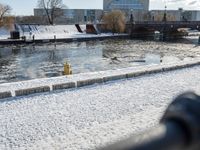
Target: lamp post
x: 131, y: 22
x: 131, y: 16
x: 165, y: 14
x: 164, y: 20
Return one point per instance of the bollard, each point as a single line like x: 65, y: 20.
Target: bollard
x: 54, y: 38
x: 33, y: 38
x: 199, y: 40
x: 179, y: 129
x: 67, y: 69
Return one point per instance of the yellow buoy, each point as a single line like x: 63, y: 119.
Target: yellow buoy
x: 67, y: 69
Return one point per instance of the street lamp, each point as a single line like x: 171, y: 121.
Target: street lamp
x: 165, y: 14
x: 164, y: 20
x: 131, y: 16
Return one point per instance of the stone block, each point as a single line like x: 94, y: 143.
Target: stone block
x: 6, y: 94
x: 198, y: 62
x: 89, y: 82
x: 114, y: 77
x: 136, y: 74
x: 191, y: 64
x: 64, y: 86
x: 183, y: 65
x: 29, y: 91
x: 45, y: 40
x: 154, y: 70
x: 170, y: 68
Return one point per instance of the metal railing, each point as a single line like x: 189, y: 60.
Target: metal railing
x: 179, y: 129
x: 167, y: 22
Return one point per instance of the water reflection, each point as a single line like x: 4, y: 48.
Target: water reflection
x: 38, y: 61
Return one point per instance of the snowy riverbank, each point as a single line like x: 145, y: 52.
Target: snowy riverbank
x: 86, y: 118
x: 41, y: 32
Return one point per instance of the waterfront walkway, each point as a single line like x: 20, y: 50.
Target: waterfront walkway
x: 86, y: 117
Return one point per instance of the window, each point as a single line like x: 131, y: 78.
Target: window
x: 125, y: 4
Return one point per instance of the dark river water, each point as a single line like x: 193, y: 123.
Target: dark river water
x: 26, y: 62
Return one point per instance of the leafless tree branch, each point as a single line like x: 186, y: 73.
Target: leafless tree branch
x: 52, y: 8
x: 4, y: 10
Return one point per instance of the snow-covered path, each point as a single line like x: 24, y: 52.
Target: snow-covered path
x: 87, y: 117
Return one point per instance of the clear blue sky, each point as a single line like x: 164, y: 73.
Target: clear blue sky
x: 25, y: 7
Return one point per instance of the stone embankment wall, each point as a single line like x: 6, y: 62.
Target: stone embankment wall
x: 86, y: 80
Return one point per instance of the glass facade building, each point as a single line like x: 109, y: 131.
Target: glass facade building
x: 138, y: 8
x: 126, y: 4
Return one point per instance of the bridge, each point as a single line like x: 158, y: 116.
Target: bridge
x: 164, y: 27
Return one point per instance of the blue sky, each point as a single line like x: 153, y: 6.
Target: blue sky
x: 25, y: 7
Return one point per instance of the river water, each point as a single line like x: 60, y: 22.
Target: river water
x: 26, y: 62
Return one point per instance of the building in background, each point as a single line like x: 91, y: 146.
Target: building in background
x: 126, y: 5
x: 73, y: 16
x: 175, y: 15
x: 138, y: 8
x: 191, y: 15
x: 171, y: 15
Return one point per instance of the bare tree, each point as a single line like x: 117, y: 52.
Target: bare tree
x: 4, y: 10
x: 8, y: 22
x: 115, y: 21
x: 52, y: 8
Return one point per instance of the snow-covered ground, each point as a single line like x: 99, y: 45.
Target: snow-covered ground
x: 49, y: 32
x: 85, y: 118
